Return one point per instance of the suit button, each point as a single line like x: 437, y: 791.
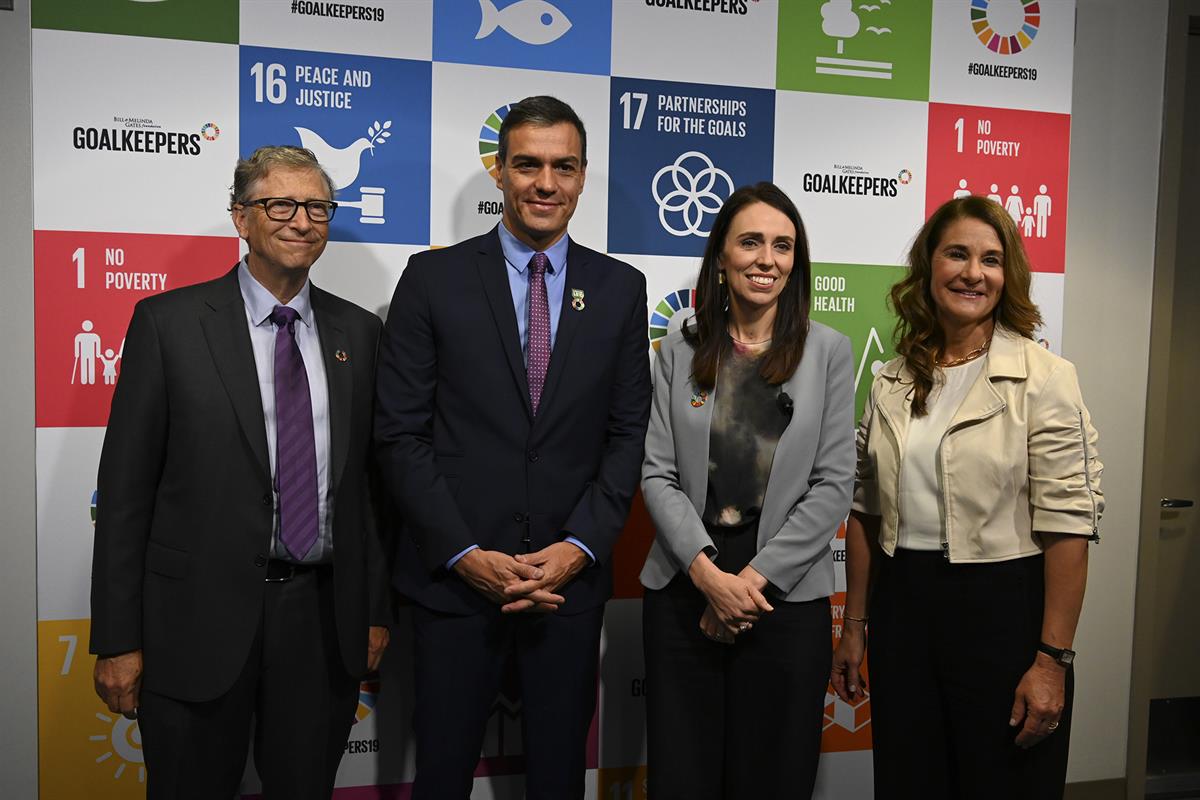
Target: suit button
x: 260, y: 560
x: 533, y: 455
x: 266, y: 499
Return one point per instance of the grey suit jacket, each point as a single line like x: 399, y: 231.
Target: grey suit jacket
x: 812, y: 476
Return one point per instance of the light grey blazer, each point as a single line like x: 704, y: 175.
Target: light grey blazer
x: 812, y: 476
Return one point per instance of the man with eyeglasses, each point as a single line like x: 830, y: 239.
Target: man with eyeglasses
x: 236, y: 572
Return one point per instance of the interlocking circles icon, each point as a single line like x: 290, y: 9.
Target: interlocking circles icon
x: 689, y: 196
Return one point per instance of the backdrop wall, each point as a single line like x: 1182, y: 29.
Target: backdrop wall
x: 869, y: 115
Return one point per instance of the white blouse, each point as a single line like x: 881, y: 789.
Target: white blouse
x: 921, y: 507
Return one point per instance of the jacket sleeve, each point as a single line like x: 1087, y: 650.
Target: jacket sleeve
x: 866, y: 486
x: 804, y: 538
x: 600, y: 513
x: 131, y: 462
x: 1064, y: 461
x: 406, y: 387
x: 677, y: 524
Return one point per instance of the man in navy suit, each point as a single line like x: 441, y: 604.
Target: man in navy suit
x: 513, y: 396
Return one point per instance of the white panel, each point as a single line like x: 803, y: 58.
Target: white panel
x: 392, y: 28
x: 145, y: 88
x: 464, y: 200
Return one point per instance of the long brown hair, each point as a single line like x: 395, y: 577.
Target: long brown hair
x: 919, y: 335
x: 707, y: 331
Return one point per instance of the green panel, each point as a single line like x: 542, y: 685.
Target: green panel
x: 198, y: 20
x: 852, y: 298
x: 884, y: 47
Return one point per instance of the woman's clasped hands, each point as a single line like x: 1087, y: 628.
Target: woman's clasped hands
x: 735, y: 602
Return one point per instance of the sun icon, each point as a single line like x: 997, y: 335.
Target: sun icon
x: 123, y: 742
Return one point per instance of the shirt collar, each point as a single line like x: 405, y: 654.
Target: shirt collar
x: 517, y: 253
x: 260, y: 302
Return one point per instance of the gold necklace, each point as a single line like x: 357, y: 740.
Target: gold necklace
x: 971, y: 356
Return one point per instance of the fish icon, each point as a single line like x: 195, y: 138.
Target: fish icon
x: 532, y: 21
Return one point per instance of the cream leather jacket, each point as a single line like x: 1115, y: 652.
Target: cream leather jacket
x: 1018, y: 457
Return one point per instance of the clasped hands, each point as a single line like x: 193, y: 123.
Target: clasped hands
x: 526, y: 581
x: 735, y: 602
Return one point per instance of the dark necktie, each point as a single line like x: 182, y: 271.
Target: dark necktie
x: 295, y: 444
x: 539, y: 328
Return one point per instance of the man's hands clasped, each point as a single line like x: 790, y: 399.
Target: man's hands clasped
x: 525, y: 582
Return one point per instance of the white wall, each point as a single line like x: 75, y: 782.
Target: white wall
x: 18, y: 568
x: 1116, y: 127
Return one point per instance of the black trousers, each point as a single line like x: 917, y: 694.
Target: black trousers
x: 295, y: 688
x: 733, y: 721
x: 459, y: 663
x: 948, y: 644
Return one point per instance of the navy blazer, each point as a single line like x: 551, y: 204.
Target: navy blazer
x: 459, y: 448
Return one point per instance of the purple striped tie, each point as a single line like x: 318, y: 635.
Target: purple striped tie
x: 539, y: 328
x: 295, y: 444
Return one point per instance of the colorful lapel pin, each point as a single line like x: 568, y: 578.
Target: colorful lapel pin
x: 342, y: 356
x: 577, y: 300
x: 699, y: 398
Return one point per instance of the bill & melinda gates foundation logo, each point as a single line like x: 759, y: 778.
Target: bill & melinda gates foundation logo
x: 142, y: 135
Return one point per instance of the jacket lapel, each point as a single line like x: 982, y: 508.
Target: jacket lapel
x: 1005, y: 359
x: 493, y: 273
x: 569, y: 320
x: 228, y: 338
x: 339, y: 377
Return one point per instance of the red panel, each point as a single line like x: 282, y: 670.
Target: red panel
x: 80, y: 316
x: 1007, y: 148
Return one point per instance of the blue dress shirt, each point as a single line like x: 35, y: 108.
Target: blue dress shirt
x: 517, y: 255
x: 259, y: 304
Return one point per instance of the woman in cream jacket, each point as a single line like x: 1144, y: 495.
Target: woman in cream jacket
x: 978, y: 489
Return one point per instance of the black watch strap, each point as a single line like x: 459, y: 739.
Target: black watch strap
x: 1061, y: 655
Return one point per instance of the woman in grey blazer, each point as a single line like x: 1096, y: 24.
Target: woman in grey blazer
x: 746, y: 487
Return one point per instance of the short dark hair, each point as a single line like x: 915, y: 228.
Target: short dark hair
x: 543, y: 111
x: 706, y: 332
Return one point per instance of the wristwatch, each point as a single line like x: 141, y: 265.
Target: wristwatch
x: 1061, y: 655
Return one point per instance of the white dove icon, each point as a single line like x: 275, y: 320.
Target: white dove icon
x: 532, y: 21
x: 342, y: 163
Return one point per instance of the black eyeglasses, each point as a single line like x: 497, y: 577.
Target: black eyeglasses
x: 282, y: 209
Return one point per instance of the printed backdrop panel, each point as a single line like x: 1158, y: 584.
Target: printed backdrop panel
x: 367, y: 121
x: 66, y: 508
x: 678, y: 151
x: 469, y: 104
x: 566, y: 35
x: 146, y: 143
x: 718, y: 41
x: 210, y: 21
x: 369, y: 28
x: 1017, y: 158
x: 141, y: 109
x: 85, y: 287
x: 1003, y: 53
x: 878, y: 49
x: 855, y: 168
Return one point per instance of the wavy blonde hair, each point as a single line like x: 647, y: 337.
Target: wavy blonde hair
x: 919, y: 337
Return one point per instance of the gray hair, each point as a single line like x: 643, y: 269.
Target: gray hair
x: 250, y: 171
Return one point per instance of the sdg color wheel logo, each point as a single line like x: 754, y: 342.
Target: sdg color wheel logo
x: 489, y: 140
x: 985, y: 19
x: 668, y: 307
